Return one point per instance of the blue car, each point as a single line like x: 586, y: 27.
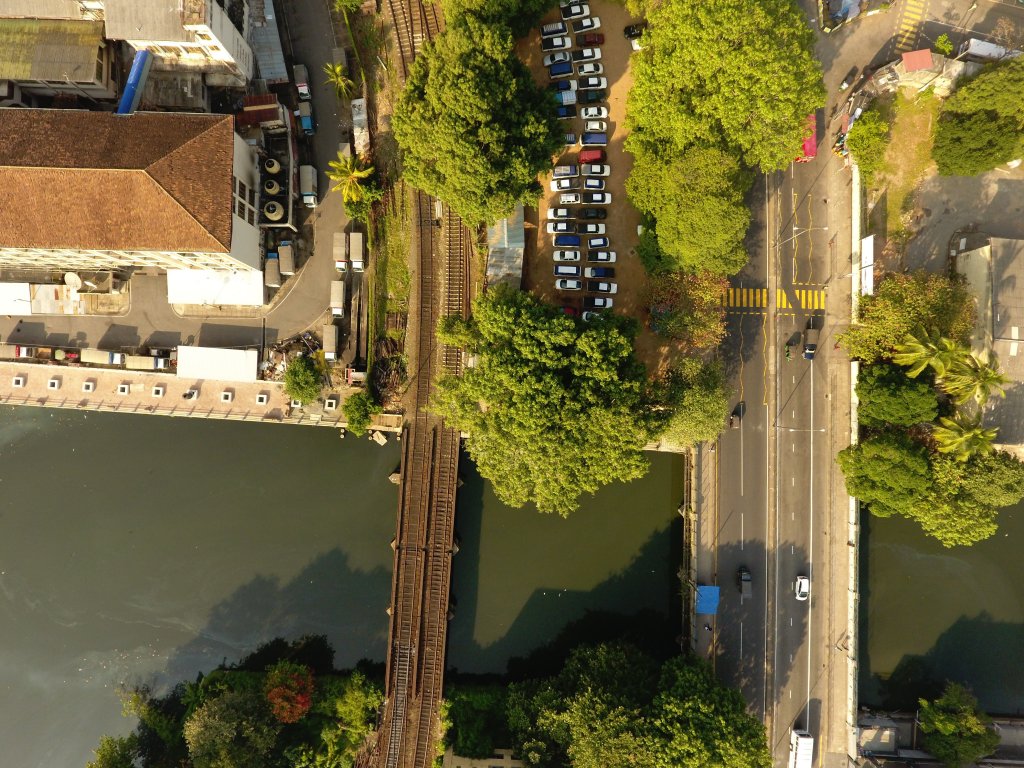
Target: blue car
x: 567, y: 241
x: 566, y: 112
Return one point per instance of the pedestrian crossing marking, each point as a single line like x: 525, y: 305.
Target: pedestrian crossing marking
x: 912, y: 18
x: 745, y: 297
x: 806, y: 299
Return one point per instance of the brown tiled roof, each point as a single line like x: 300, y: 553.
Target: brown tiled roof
x: 98, y: 181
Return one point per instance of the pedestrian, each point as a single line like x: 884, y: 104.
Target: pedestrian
x: 707, y: 627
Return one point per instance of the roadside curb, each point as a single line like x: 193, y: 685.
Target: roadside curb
x: 853, y: 595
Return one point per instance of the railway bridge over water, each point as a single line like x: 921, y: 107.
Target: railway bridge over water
x: 424, y: 540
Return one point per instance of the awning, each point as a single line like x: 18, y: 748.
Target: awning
x: 707, y: 600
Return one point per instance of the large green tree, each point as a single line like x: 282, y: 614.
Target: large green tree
x: 867, y: 142
x: 612, y: 705
x: 928, y: 349
x: 889, y: 472
x: 963, y: 437
x: 967, y: 496
x: 982, y: 124
x: 697, y: 199
x: 736, y: 72
x: 697, y: 397
x: 970, y: 379
x: 887, y: 395
x: 702, y: 724
x: 904, y: 302
x: 233, y: 730
x: 954, y: 729
x: 554, y: 407
x: 475, y: 128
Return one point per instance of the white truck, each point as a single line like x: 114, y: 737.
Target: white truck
x: 101, y: 357
x: 341, y: 251
x: 146, y: 363
x: 302, y: 81
x: 307, y: 185
x: 356, y: 252
x: 981, y: 50
x: 801, y: 749
x: 338, y: 298
x: 330, y: 334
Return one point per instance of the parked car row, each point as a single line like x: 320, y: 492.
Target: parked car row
x: 582, y: 252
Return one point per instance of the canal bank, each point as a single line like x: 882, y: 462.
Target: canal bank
x: 930, y: 614
x: 143, y: 550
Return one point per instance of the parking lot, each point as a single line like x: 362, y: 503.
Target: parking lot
x: 622, y: 219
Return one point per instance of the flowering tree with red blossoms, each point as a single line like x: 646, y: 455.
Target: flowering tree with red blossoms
x: 289, y: 691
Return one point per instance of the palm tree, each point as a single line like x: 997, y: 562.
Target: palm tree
x: 963, y: 438
x: 347, y: 176
x: 337, y: 78
x: 971, y: 378
x: 922, y: 350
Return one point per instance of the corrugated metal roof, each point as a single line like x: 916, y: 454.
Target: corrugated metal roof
x: 917, y: 60
x: 265, y: 40
x: 49, y: 49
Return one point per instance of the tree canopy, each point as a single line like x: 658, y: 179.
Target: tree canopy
x: 889, y: 472
x: 904, y: 302
x: 302, y: 380
x: 613, y: 705
x: 888, y: 396
x: 698, y: 394
x: 697, y: 199
x: 700, y: 81
x: 955, y: 501
x: 270, y: 710
x: 868, y: 140
x: 554, y: 407
x: 688, y: 307
x: 954, y: 729
x: 982, y: 124
x: 475, y: 128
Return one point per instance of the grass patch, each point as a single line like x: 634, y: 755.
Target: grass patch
x: 908, y: 159
x: 391, y: 277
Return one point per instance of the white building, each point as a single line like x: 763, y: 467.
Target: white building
x: 95, y: 191
x: 195, y: 35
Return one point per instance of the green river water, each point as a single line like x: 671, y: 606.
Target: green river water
x: 144, y: 549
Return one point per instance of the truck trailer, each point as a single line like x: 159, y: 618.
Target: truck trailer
x: 146, y: 363
x: 338, y: 298
x: 307, y: 185
x: 356, y: 253
x: 101, y: 357
x: 341, y: 251
x: 330, y: 334
x: 801, y: 749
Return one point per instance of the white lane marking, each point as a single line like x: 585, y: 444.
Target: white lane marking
x: 792, y: 481
x: 741, y: 532
x: 741, y: 640
x: 810, y: 545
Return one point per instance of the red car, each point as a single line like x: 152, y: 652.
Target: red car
x: 592, y: 38
x: 592, y: 156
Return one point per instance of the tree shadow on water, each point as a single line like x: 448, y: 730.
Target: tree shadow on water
x: 327, y: 597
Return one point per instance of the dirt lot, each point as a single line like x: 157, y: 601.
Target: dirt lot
x: 622, y: 218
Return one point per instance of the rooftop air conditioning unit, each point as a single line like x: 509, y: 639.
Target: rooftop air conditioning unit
x: 274, y: 211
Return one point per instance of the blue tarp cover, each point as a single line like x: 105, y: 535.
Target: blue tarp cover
x: 707, y: 600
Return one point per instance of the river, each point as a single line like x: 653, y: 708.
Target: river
x: 929, y: 614
x: 143, y: 549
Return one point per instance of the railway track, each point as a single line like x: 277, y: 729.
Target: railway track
x: 421, y: 580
